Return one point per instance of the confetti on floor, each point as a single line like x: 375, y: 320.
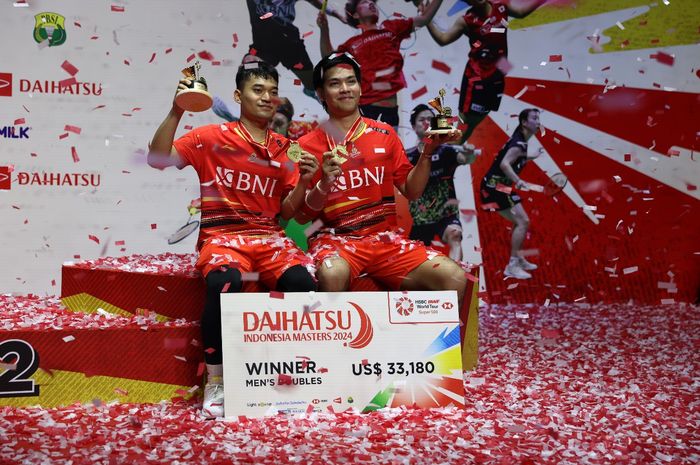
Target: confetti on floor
x: 571, y: 384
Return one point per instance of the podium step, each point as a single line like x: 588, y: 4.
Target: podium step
x: 51, y: 356
x: 167, y: 286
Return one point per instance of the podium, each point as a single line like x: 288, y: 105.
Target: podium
x: 126, y: 330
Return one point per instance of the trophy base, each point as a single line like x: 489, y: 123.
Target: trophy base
x: 432, y: 131
x: 194, y: 100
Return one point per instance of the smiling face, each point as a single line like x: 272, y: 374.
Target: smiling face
x: 258, y: 98
x: 341, y: 91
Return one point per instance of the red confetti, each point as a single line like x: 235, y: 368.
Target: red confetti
x: 74, y: 154
x: 440, y: 66
x: 205, y: 55
x: 422, y: 91
x: 69, y: 68
x: 126, y: 62
x: 63, y: 136
x: 503, y: 188
x: 19, y: 121
x: 190, y: 58
x: 154, y: 225
x: 307, y: 34
x: 297, y: 82
x: 663, y: 58
x: 153, y: 57
x: 168, y: 50
x: 276, y: 295
x: 67, y: 82
x: 94, y: 238
x: 298, y: 66
x: 628, y: 157
x: 74, y: 129
x: 118, y: 8
x: 554, y: 58
x: 266, y: 15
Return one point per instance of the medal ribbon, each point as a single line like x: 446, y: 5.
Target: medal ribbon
x: 350, y: 136
x: 242, y: 131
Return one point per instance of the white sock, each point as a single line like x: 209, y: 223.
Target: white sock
x: 215, y: 374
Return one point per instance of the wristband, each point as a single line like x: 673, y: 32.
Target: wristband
x: 318, y: 186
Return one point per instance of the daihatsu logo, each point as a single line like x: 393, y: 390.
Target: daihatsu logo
x: 6, y: 84
x: 5, y: 179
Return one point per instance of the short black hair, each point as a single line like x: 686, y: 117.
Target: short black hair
x: 335, y: 58
x: 350, y: 10
x: 420, y: 108
x: 525, y: 114
x: 256, y: 69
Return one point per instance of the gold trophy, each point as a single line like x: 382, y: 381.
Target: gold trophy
x: 440, y: 124
x: 196, y: 98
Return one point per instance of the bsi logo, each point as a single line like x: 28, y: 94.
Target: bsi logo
x: 51, y: 27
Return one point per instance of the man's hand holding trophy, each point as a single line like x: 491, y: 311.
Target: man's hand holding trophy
x: 192, y: 94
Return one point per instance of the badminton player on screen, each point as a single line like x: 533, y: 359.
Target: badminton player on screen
x: 497, y: 189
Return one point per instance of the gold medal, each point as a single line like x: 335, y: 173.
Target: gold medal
x: 294, y: 152
x: 340, y: 153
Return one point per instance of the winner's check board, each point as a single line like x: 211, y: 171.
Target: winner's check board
x: 300, y: 352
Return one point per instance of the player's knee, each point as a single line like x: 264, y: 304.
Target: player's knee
x: 225, y: 280
x: 452, y: 277
x: 296, y: 279
x: 333, y: 278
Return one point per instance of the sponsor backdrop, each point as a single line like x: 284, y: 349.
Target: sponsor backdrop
x: 339, y: 350
x: 84, y: 85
